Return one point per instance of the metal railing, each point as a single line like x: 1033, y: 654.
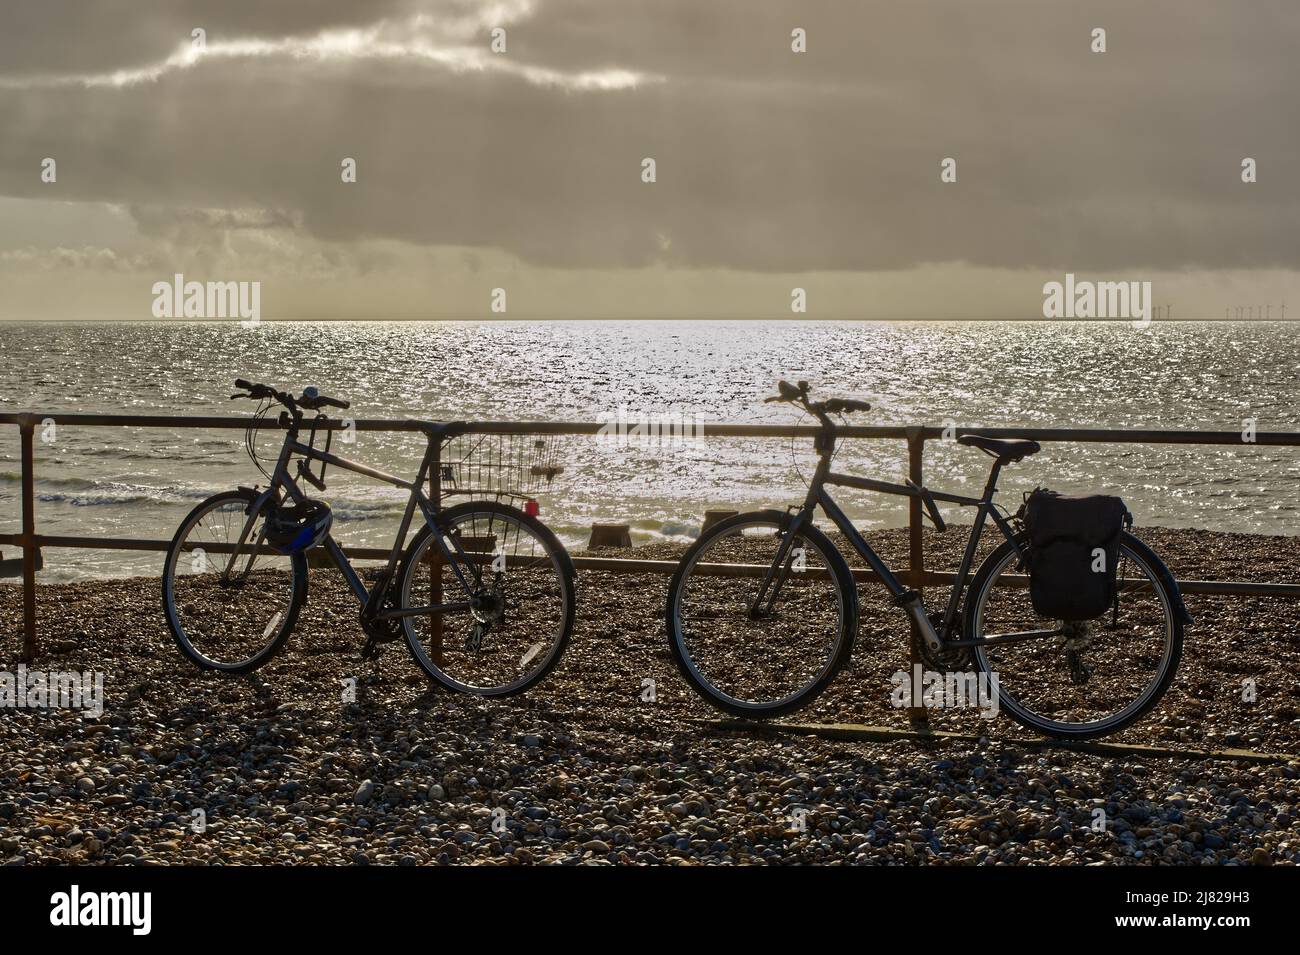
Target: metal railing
x: 915, y: 575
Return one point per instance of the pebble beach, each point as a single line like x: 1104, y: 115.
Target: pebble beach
x: 613, y: 760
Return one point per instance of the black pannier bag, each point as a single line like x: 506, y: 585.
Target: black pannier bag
x: 1065, y: 534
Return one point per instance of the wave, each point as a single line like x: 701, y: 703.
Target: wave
x: 169, y: 455
x: 14, y: 477
x: 120, y: 494
x: 89, y: 492
x: 348, y: 511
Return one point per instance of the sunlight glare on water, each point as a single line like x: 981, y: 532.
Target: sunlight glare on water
x: 141, y: 482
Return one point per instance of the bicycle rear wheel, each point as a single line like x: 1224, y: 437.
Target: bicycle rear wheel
x: 224, y: 615
x: 523, y: 580
x: 757, y: 644
x: 1100, y: 676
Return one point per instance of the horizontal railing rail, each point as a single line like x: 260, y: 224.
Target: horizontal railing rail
x: 916, y: 574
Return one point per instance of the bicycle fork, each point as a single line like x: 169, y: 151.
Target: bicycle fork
x: 770, y: 588
x: 229, y: 573
x: 777, y: 574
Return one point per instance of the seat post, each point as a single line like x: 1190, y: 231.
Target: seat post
x: 991, y: 486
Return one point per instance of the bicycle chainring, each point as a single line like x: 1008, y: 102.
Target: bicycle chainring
x: 382, y: 630
x: 953, y: 660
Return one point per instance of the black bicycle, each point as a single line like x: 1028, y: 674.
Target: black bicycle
x: 483, y: 593
x: 763, y: 610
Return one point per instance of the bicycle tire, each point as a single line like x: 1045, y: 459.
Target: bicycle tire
x: 1171, y: 600
x: 555, y: 551
x: 843, y: 580
x: 298, y: 593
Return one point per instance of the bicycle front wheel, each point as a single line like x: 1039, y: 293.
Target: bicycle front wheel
x: 1096, y: 677
x: 229, y: 611
x: 765, y: 637
x: 521, y: 581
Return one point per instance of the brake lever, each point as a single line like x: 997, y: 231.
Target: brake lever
x: 240, y: 395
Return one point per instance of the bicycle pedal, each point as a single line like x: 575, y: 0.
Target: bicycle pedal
x: 370, y: 651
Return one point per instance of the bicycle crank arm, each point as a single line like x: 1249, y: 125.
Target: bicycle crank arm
x: 911, y: 602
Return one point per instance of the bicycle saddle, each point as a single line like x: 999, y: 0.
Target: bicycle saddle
x: 1005, y: 449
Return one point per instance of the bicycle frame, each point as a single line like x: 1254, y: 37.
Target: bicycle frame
x: 281, y: 478
x: 909, y: 599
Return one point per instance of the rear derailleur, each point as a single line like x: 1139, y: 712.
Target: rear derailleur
x: 488, y: 612
x: 1076, y: 640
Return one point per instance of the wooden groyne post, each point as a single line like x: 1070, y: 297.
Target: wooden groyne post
x: 916, y: 714
x: 27, y: 432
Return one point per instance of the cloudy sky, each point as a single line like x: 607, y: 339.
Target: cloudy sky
x: 523, y: 169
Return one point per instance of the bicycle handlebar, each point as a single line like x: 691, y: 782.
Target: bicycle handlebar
x: 794, y: 394
x: 798, y: 395
x: 311, y: 398
x: 845, y: 405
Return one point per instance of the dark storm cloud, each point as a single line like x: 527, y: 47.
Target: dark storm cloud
x: 767, y: 160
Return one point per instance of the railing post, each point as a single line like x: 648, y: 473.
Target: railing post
x: 435, y: 565
x: 916, y: 714
x: 27, y: 428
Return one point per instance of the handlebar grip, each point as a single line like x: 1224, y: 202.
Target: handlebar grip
x: 314, y: 400
x: 842, y: 405
x: 243, y: 383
